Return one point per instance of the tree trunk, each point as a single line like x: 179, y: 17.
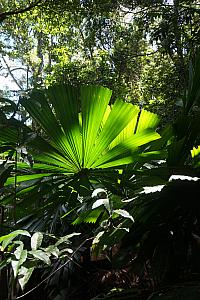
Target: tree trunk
x: 180, y: 64
x: 3, y: 272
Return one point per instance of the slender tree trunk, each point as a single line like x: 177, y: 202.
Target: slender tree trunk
x: 180, y: 64
x: 3, y: 281
x: 37, y: 72
x: 3, y: 272
x: 39, y: 52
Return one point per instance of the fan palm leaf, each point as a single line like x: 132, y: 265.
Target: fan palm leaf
x: 82, y: 136
x: 79, y: 134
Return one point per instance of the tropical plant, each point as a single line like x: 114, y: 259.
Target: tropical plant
x: 24, y: 258
x: 74, y: 151
x: 84, y: 143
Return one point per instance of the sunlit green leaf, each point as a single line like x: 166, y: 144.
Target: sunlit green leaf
x: 36, y: 240
x: 7, y: 239
x: 24, y: 275
x: 123, y: 213
x: 41, y: 255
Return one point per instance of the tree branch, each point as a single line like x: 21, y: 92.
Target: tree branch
x: 16, y: 69
x: 154, y: 9
x: 20, y: 10
x: 11, y: 74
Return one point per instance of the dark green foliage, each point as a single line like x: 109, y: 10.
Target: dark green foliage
x: 76, y: 149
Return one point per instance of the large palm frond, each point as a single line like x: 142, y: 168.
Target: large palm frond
x: 83, y: 138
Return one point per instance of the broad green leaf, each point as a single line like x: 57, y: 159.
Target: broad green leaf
x: 94, y: 103
x: 38, y: 166
x: 52, y: 249
x: 21, y: 256
x: 15, y: 266
x: 36, y: 240
x: 99, y: 192
x: 51, y: 152
x: 63, y: 252
x: 22, y: 178
x: 121, y: 114
x: 105, y: 202
x: 19, y: 250
x: 126, y: 148
x: 24, y: 276
x: 7, y: 239
x: 147, y: 120
x: 41, y: 255
x: 97, y: 238
x: 39, y: 109
x: 37, y: 105
x: 128, y: 130
x: 65, y: 103
x: 123, y: 213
